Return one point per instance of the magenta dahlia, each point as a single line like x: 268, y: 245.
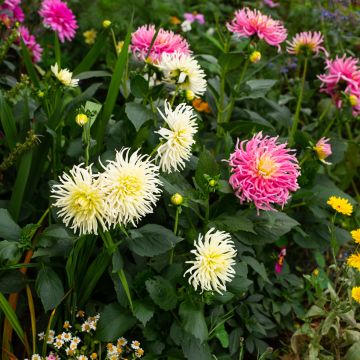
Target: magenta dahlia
x: 263, y: 172
x: 58, y: 17
x: 30, y: 41
x: 249, y: 22
x: 10, y: 12
x: 166, y: 42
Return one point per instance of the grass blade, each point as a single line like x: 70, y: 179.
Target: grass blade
x: 8, y: 123
x: 28, y: 64
x: 113, y: 91
x: 90, y: 58
x: 32, y: 317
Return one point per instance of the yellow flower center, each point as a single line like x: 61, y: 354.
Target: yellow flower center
x: 128, y: 185
x: 266, y: 166
x: 85, y: 201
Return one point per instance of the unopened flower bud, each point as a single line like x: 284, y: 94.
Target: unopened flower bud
x: 81, y: 119
x: 212, y: 183
x: 93, y: 356
x: 106, y: 23
x: 41, y: 94
x: 189, y: 95
x: 177, y: 199
x: 323, y: 149
x: 255, y: 57
x: 316, y: 272
x: 353, y: 100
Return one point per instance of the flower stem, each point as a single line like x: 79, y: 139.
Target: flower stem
x: 57, y: 50
x: 176, y: 224
x: 298, y: 106
x: 86, y: 139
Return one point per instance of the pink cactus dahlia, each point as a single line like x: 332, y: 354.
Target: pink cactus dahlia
x: 249, y: 22
x: 30, y: 41
x: 263, y: 172
x: 166, y: 42
x: 10, y: 12
x: 58, y: 17
x: 307, y: 43
x: 342, y: 76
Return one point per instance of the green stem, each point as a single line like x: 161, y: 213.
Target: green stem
x: 111, y: 248
x: 114, y: 41
x: 330, y: 125
x: 57, y: 50
x: 174, y: 96
x: 155, y: 149
x: 178, y: 210
x: 298, y: 106
x: 86, y: 139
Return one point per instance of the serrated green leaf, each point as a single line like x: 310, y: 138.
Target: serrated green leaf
x: 144, y: 310
x: 162, y: 293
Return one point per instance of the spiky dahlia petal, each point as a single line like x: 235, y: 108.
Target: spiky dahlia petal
x: 80, y: 200
x: 132, y: 187
x: 214, y: 260
x: 184, y: 71
x: 306, y: 41
x: 166, y: 42
x: 249, y: 22
x: 30, y: 41
x: 263, y: 172
x: 178, y: 136
x: 58, y: 16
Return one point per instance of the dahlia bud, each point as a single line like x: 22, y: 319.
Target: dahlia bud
x: 255, y: 57
x: 106, y: 23
x: 353, y: 100
x: 316, y: 272
x: 177, y: 199
x: 81, y: 119
x: 323, y: 149
x: 41, y: 94
x: 189, y: 95
x: 212, y: 183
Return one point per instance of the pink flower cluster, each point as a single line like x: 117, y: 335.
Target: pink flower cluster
x: 57, y: 16
x: 10, y: 12
x: 342, y: 77
x: 249, y: 22
x: 263, y: 172
x: 30, y: 41
x: 166, y: 42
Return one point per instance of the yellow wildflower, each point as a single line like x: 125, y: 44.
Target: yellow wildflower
x: 340, y: 205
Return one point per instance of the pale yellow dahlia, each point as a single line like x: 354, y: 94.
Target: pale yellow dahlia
x: 214, y: 261
x: 80, y: 200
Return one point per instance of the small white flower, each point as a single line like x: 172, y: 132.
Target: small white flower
x: 179, y: 136
x: 64, y: 76
x: 82, y: 357
x: 80, y: 200
x: 41, y: 335
x: 58, y: 343
x: 184, y: 71
x: 122, y: 341
x: 66, y: 336
x: 67, y: 325
x: 186, y: 26
x: 73, y: 346
x: 69, y: 351
x: 76, y: 340
x: 132, y: 187
x: 85, y: 327
x: 213, y: 265
x: 50, y: 340
x: 135, y: 344
x: 51, y: 333
x: 36, y: 357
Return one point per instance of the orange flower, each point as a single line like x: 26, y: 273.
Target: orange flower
x: 201, y: 106
x: 174, y: 20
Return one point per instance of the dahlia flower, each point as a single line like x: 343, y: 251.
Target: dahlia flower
x: 355, y: 293
x: 30, y: 41
x: 80, y: 200
x: 166, y: 42
x: 132, y: 187
x: 64, y: 76
x: 342, y: 76
x: 340, y: 205
x: 184, y: 71
x: 214, y: 261
x: 264, y: 172
x: 323, y: 149
x: 306, y: 43
x: 178, y: 136
x: 11, y: 12
x: 249, y: 22
x: 354, y: 261
x: 58, y: 17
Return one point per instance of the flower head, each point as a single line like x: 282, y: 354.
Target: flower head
x: 354, y: 261
x: 64, y: 76
x: 58, y: 17
x: 323, y: 149
x: 271, y: 3
x: 264, y: 172
x: 340, y: 205
x: 81, y: 119
x: 255, y: 57
x: 306, y: 43
x: 342, y: 76
x: 214, y: 261
x: 34, y: 48
x: 184, y: 71
x: 106, y: 23
x: 201, y: 106
x: 80, y: 200
x: 249, y: 22
x: 132, y: 187
x: 355, y: 293
x: 90, y: 36
x: 178, y: 136
x: 280, y: 260
x: 166, y: 42
x: 355, y: 234
x: 177, y: 199
x: 11, y: 12
x: 195, y: 16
